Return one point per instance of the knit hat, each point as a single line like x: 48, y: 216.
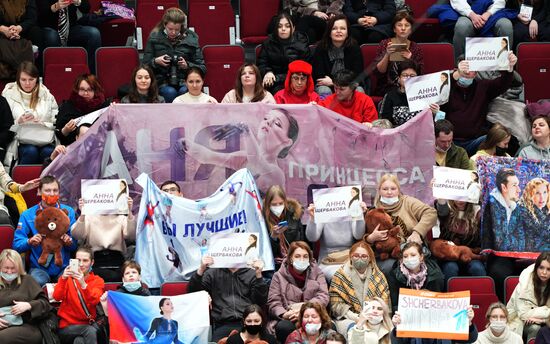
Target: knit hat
x: 299, y: 66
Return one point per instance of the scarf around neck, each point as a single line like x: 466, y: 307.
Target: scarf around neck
x: 336, y: 57
x: 85, y: 106
x: 415, y: 280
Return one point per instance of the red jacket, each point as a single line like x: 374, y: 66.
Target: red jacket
x: 360, y: 108
x: 71, y: 312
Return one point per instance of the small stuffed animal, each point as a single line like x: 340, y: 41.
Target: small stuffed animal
x: 389, y: 247
x: 448, y: 250
x: 51, y: 223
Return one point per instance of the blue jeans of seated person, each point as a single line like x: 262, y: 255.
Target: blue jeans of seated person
x: 87, y: 37
x: 453, y: 269
x: 465, y: 28
x: 170, y: 93
x: 78, y: 334
x: 32, y: 155
x: 42, y: 276
x: 471, y: 146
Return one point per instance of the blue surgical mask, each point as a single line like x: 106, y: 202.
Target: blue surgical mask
x: 132, y: 286
x: 465, y: 82
x: 300, y: 265
x: 9, y: 277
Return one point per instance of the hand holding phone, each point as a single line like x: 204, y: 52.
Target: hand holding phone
x: 74, y: 264
x: 283, y: 224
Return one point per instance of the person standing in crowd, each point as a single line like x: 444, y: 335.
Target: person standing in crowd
x: 299, y: 85
x: 143, y: 87
x: 371, y: 21
x: 86, y: 96
x: 497, y: 330
x: 298, y: 279
x: 32, y: 103
x: 172, y: 49
x: 495, y: 144
x: 280, y: 48
x: 25, y: 297
x: 79, y: 293
x: 311, y: 16
x: 253, y: 328
x: 349, y: 102
x: 314, y: 325
x: 539, y: 146
x: 446, y: 152
x: 194, y: 80
x: 277, y: 210
x: 231, y: 290
x: 59, y: 22
x: 335, y: 52
x: 373, y: 326
x: 27, y: 238
x: 248, y: 87
x: 469, y: 102
x: 529, y: 306
x: 391, y: 54
x: 356, y: 281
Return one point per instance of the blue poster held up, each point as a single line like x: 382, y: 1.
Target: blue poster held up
x: 173, y: 232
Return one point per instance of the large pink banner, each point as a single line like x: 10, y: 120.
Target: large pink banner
x: 200, y: 146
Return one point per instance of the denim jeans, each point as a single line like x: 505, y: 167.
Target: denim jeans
x: 42, y: 277
x: 453, y: 269
x: 31, y: 154
x: 465, y: 28
x: 170, y: 93
x: 471, y: 146
x: 87, y: 37
x: 78, y: 334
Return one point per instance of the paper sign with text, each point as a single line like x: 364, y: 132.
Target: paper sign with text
x: 235, y: 250
x: 487, y: 53
x: 104, y: 196
x: 426, y: 314
x: 427, y: 89
x: 456, y: 184
x: 526, y: 11
x: 338, y: 204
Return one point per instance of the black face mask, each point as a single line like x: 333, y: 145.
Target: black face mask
x: 500, y: 151
x: 253, y: 329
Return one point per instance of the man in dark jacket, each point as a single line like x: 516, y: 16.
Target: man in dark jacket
x: 446, y: 152
x: 231, y: 291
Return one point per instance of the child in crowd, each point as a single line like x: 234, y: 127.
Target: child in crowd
x: 131, y: 282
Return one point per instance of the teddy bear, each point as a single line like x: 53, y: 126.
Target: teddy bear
x: 389, y: 247
x: 52, y: 223
x: 448, y: 250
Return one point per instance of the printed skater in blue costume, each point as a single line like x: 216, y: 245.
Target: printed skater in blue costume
x: 163, y: 330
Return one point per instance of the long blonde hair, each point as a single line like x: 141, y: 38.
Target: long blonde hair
x: 15, y: 257
x: 527, y: 198
x: 386, y: 320
x: 172, y: 15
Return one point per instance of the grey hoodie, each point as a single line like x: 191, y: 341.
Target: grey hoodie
x: 533, y: 151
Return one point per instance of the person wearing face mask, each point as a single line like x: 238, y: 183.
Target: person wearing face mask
x: 299, y: 279
x: 299, y: 86
x: 495, y: 144
x: 446, y: 152
x: 24, y: 299
x: 79, y: 293
x: 497, y: 330
x: 276, y: 210
x: 373, y: 325
x: 314, y: 325
x: 358, y: 280
x: 414, y: 217
x: 253, y: 328
x: 414, y: 271
x: 469, y: 100
x: 26, y: 236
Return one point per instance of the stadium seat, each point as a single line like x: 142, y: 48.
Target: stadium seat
x: 148, y: 14
x: 510, y: 284
x: 173, y: 288
x: 61, y: 67
x: 114, y: 32
x: 214, y: 22
x: 534, y: 67
x: 22, y: 174
x: 254, y: 19
x: 111, y: 286
x: 257, y: 52
x: 222, y: 64
x: 114, y: 66
x: 369, y: 54
x: 480, y: 303
x: 425, y: 29
x: 476, y: 285
x: 437, y: 57
x: 6, y: 237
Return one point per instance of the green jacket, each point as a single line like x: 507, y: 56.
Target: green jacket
x: 458, y: 158
x: 187, y: 47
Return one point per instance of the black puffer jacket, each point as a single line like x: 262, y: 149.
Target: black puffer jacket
x: 276, y: 54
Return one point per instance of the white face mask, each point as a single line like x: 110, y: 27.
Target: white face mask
x: 132, y: 286
x: 411, y: 263
x: 300, y: 265
x: 498, y: 326
x: 277, y: 210
x: 312, y: 329
x: 389, y: 200
x: 8, y: 277
x: 374, y: 319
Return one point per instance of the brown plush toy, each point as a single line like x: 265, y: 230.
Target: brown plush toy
x: 448, y: 250
x: 389, y: 247
x: 51, y: 223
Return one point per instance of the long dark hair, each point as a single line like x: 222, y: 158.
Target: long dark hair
x: 253, y: 308
x: 541, y: 295
x: 326, y: 42
x: 277, y: 20
x: 152, y: 92
x: 259, y: 92
x: 123, y: 191
x: 356, y: 197
x: 253, y: 245
x: 446, y: 82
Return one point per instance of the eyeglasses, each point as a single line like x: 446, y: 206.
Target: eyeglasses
x: 172, y: 189
x: 86, y: 90
x: 406, y: 76
x: 299, y: 78
x: 360, y: 256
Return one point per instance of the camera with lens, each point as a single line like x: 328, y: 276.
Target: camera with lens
x: 173, y: 79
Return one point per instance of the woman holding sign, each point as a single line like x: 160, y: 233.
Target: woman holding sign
x: 529, y: 306
x: 497, y: 330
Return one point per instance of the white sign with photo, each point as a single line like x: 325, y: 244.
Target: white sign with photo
x: 424, y: 90
x: 104, y: 196
x: 235, y: 250
x: 456, y: 184
x: 487, y: 53
x: 338, y: 204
